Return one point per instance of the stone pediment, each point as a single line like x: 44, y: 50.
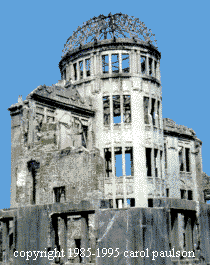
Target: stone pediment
x: 170, y: 125
x: 66, y: 94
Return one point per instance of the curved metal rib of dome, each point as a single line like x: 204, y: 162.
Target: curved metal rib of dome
x: 109, y: 27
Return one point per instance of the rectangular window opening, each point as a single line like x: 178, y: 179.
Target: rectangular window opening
x: 143, y: 64
x: 105, y: 63
x: 153, y: 111
x: 108, y: 161
x: 84, y: 135
x: 118, y: 161
x: 187, y: 157
x: 59, y: 193
x: 116, y: 109
x: 155, y: 68
x: 190, y: 195
x: 129, y: 168
x: 150, y: 202
x: 87, y: 65
x: 110, y: 203
x: 131, y: 202
x: 81, y: 69
x: 148, y: 162
x: 183, y: 194
x: 106, y: 107
x: 125, y: 63
x: 161, y: 161
x: 127, y: 109
x: 150, y: 66
x: 115, y: 63
x: 158, y: 112
x: 156, y: 162
x: 78, y: 246
x: 120, y: 203
x: 75, y: 71
x: 146, y: 110
x: 181, y: 162
x: 167, y: 193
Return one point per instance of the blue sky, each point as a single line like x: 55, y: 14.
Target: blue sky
x: 33, y: 34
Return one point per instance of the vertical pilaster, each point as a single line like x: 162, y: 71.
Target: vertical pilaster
x: 112, y: 150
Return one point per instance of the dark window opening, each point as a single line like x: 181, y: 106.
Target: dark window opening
x: 155, y: 162
x: 155, y: 68
x: 125, y: 63
x: 78, y: 246
x: 34, y: 186
x: 127, y: 108
x: 143, y: 64
x: 150, y: 202
x: 60, y: 195
x: 84, y: 135
x: 190, y: 195
x: 187, y: 157
x: 167, y: 193
x: 106, y: 107
x: 129, y: 168
x: 81, y: 69
x: 118, y: 161
x: 150, y: 66
x: 146, y: 110
x: 75, y: 71
x: 116, y: 109
x: 108, y: 161
x: 105, y: 63
x: 110, y: 203
x: 161, y: 161
x: 183, y: 194
x: 158, y: 112
x: 153, y: 111
x: 184, y: 236
x: 115, y: 63
x: 165, y: 151
x: 87, y: 64
x: 131, y: 202
x: 181, y: 162
x: 148, y: 161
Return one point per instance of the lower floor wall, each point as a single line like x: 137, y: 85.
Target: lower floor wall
x: 65, y: 233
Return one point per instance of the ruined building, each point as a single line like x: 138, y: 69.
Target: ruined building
x: 96, y: 172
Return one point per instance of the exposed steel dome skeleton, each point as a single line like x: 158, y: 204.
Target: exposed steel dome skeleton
x: 109, y: 27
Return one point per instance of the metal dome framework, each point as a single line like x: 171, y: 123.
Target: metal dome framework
x: 109, y: 27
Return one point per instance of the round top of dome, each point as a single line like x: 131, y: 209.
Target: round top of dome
x: 109, y: 27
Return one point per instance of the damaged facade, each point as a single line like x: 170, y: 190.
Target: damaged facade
x: 95, y: 166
